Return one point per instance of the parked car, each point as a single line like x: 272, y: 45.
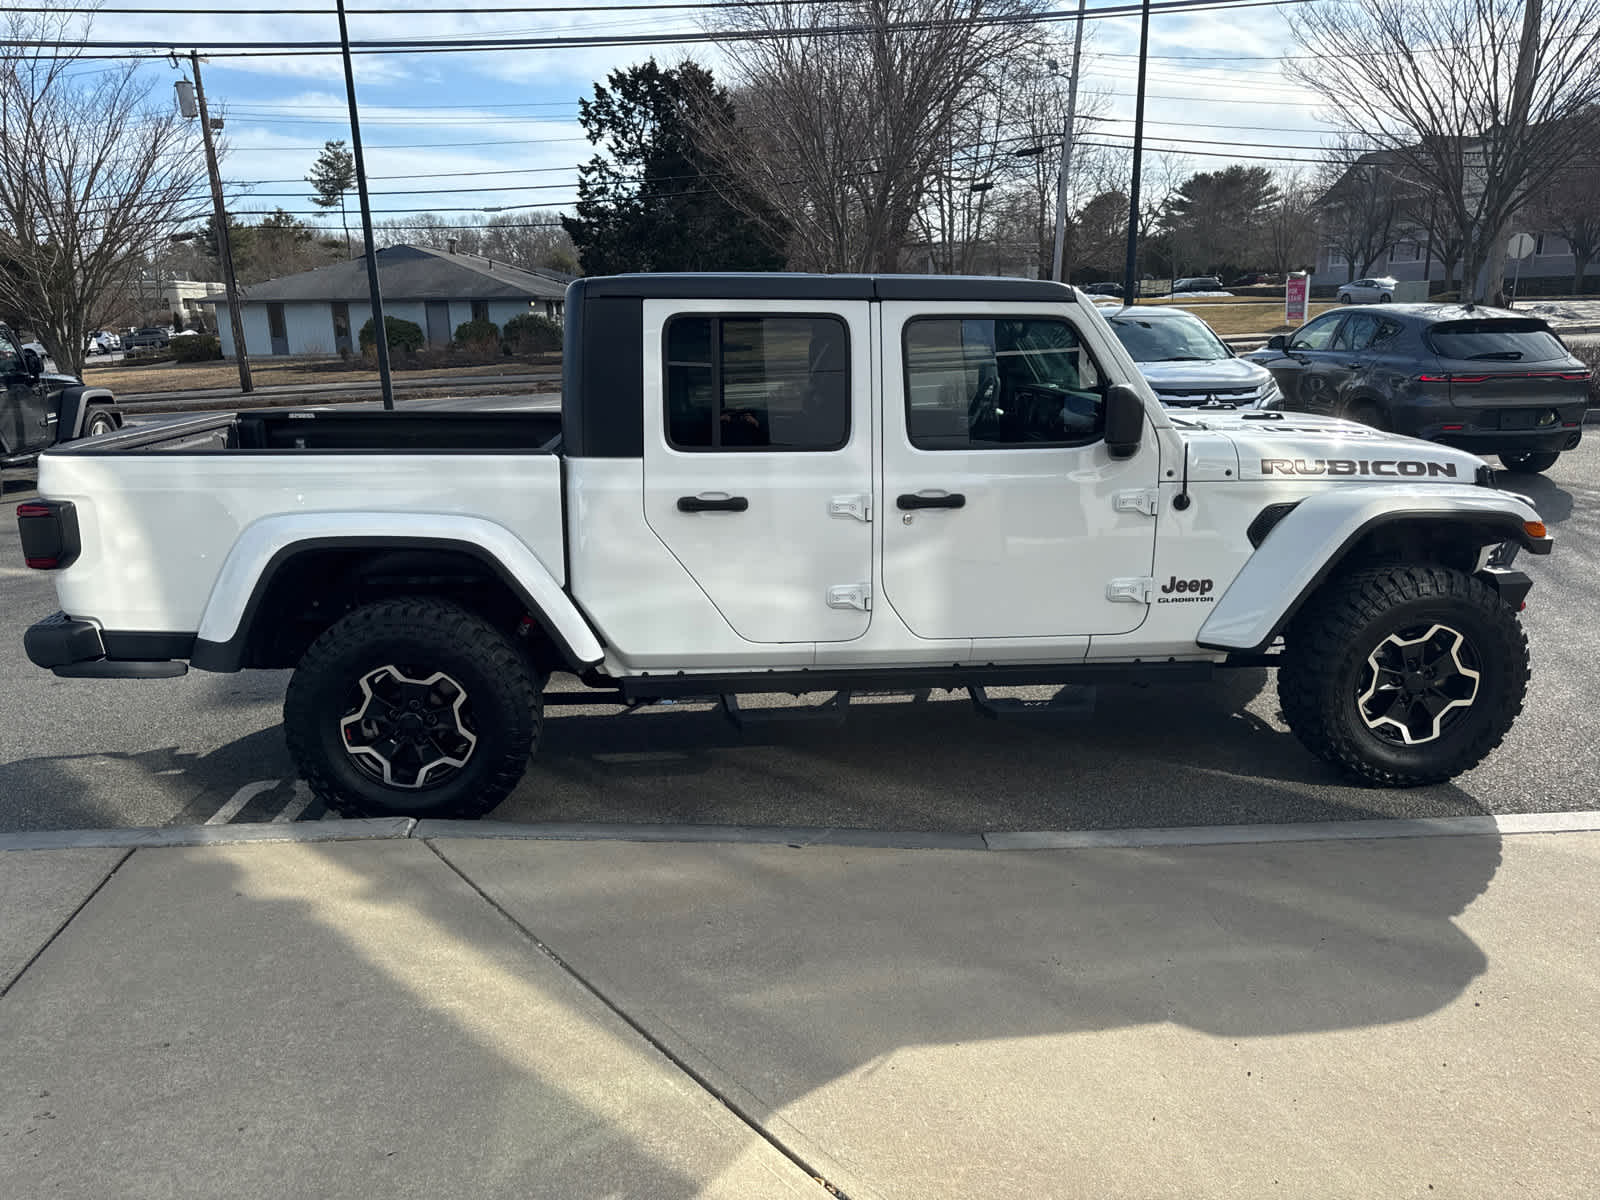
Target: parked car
x: 149, y: 337
x: 39, y: 408
x: 1256, y: 279
x: 1369, y: 291
x: 1485, y: 379
x: 1186, y: 363
x: 101, y: 342
x: 734, y: 498
x: 1103, y: 289
x: 1196, y: 283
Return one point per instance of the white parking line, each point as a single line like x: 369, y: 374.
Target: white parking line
x: 298, y: 804
x: 243, y: 796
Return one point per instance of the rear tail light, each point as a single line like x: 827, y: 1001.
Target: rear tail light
x: 1451, y: 428
x: 49, y: 530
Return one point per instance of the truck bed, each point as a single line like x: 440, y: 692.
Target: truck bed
x: 339, y: 431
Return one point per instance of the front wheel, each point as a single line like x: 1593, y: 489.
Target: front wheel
x: 1402, y: 676
x: 1531, y: 461
x: 1346, y: 298
x: 412, y: 708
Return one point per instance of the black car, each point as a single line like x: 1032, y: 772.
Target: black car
x: 38, y: 409
x: 1485, y: 379
x: 1102, y: 289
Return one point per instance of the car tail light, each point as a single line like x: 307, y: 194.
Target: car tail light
x: 1451, y: 428
x: 49, y: 531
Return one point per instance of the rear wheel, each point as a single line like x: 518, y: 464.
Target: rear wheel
x: 1385, y: 298
x: 1532, y: 461
x: 415, y: 708
x: 1367, y: 413
x: 1402, y: 676
x: 99, y: 422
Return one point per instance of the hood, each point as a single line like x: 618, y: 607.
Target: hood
x: 1275, y: 445
x: 1231, y: 380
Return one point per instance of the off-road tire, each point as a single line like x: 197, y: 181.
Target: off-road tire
x: 1530, y: 461
x: 1325, y: 666
x: 98, y: 422
x: 504, y: 693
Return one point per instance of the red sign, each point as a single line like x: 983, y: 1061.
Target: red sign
x: 1296, y: 299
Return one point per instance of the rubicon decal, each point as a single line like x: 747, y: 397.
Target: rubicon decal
x: 1186, y: 591
x: 1409, y: 468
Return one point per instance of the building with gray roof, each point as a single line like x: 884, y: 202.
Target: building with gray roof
x: 322, y: 311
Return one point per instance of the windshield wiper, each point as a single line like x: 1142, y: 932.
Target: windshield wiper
x: 1181, y: 358
x: 1501, y: 355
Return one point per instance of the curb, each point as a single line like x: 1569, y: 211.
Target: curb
x: 801, y: 837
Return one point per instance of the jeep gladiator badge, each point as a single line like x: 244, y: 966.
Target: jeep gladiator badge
x: 1189, y: 591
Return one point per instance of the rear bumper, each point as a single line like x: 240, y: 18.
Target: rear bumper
x: 78, y: 649
x: 1479, y: 430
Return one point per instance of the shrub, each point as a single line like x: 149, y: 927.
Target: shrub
x: 530, y: 333
x: 200, y: 347
x: 477, y: 333
x: 401, y: 334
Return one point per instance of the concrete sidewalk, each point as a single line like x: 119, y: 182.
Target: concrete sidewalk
x: 499, y: 1016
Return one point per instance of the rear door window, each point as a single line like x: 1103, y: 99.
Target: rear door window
x: 1496, y: 339
x: 758, y: 383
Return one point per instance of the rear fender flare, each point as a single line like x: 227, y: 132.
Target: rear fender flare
x: 266, y: 545
x: 1307, y: 546
x: 73, y: 409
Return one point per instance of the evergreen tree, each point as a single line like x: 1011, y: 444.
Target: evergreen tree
x: 334, y: 174
x: 655, y: 200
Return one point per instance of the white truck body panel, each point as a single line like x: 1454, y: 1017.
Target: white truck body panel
x: 158, y: 527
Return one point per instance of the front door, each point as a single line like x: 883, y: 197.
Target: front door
x: 758, y: 460
x: 1001, y: 515
x: 341, y: 328
x: 438, y: 323
x: 278, y: 329
x: 1301, y: 368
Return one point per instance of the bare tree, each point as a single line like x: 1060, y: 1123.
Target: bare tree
x: 1571, y: 208
x: 848, y: 110
x: 1363, y: 192
x: 1289, y: 236
x: 1483, y: 101
x: 530, y: 239
x: 92, y: 176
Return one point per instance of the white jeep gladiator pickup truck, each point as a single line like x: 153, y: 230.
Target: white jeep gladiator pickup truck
x: 789, y: 483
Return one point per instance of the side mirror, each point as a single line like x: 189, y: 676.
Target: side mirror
x: 31, y: 362
x: 1124, y: 420
x: 1277, y: 342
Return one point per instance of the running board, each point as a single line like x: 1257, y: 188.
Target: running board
x: 1075, y: 700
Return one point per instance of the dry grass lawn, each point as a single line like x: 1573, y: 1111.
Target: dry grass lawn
x: 1236, y: 318
x: 178, y: 377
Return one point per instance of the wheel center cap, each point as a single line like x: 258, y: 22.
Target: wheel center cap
x: 410, y: 723
x: 1415, y: 681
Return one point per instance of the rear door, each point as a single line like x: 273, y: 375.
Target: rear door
x: 25, y: 425
x: 1001, y: 513
x: 758, y: 459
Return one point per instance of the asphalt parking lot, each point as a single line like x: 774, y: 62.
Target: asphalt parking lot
x: 207, y: 748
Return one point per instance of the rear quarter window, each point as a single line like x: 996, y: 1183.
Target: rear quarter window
x: 1490, y: 339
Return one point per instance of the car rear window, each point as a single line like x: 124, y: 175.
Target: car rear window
x: 1504, y: 339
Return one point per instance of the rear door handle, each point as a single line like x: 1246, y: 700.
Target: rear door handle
x: 951, y: 500
x: 712, y: 503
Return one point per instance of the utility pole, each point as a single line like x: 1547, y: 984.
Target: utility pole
x: 1130, y: 284
x: 224, y: 246
x: 1058, y: 265
x: 380, y: 332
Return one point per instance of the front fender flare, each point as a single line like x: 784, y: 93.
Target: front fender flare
x: 267, y: 544
x: 1306, y: 546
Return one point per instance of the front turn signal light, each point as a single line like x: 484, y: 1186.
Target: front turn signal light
x: 1534, y: 529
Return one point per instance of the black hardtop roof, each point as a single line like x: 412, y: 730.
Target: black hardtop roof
x: 778, y: 285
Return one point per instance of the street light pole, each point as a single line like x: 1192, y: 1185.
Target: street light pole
x: 1058, y: 266
x: 224, y: 243
x: 380, y: 331
x: 1130, y: 292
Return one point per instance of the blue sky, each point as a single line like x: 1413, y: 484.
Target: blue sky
x: 506, y: 122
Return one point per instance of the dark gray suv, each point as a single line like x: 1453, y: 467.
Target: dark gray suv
x: 1487, y: 380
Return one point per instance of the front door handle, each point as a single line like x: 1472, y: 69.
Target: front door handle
x: 951, y: 500
x: 712, y: 503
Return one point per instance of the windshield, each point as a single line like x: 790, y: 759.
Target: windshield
x: 1168, y: 339
x: 1504, y: 339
